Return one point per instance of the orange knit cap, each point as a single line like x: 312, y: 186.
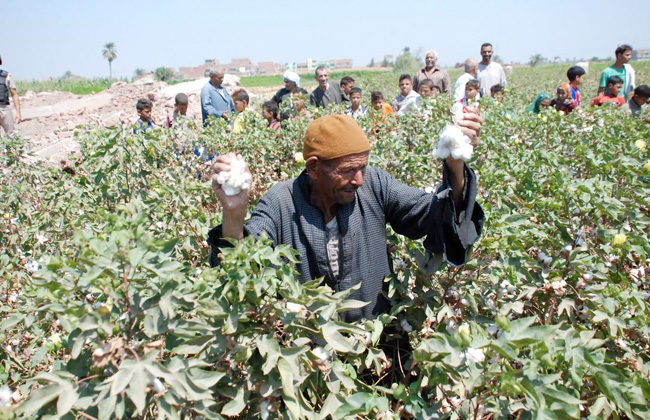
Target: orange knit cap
x: 333, y: 136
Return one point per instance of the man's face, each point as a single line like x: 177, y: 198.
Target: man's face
x: 486, y: 53
x: 355, y: 100
x: 289, y: 85
x: 182, y: 109
x: 377, y: 104
x: 322, y: 77
x: 240, y: 105
x: 347, y: 88
x: 405, y: 87
x: 626, y: 56
x: 217, y: 79
x: 430, y: 61
x: 145, y: 114
x: 339, y: 179
x: 614, y: 89
x: 425, y: 91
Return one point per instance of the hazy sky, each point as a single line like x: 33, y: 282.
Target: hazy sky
x: 46, y: 38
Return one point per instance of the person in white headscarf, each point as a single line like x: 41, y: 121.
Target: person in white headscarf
x: 291, y: 82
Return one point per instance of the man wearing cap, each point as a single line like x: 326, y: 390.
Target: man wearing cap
x: 335, y: 212
x: 8, y: 86
x: 291, y: 82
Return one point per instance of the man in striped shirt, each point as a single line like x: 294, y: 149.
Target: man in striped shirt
x: 335, y: 213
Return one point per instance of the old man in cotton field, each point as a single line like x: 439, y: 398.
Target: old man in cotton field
x: 335, y: 212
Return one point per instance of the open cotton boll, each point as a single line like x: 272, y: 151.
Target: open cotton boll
x: 453, y: 143
x: 235, y: 180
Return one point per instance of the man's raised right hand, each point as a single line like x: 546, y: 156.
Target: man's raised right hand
x: 234, y: 206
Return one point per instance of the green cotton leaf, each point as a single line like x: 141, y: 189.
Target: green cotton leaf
x: 67, y: 397
x: 236, y: 405
x: 567, y: 305
x: 560, y: 395
x: 11, y: 321
x: 106, y: 407
x: 505, y: 348
x: 351, y: 304
x: 335, y: 339
x: 331, y: 405
x: 121, y: 379
x: 195, y: 345
x: 203, y: 378
x: 354, y: 404
x: 137, y: 389
x: 39, y: 398
x: 515, y: 220
x: 154, y: 322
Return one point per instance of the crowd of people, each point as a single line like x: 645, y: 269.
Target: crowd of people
x: 617, y: 87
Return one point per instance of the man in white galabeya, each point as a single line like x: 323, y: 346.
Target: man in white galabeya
x: 489, y: 73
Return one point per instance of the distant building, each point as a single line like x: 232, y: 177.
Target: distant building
x: 641, y: 55
x: 245, y: 67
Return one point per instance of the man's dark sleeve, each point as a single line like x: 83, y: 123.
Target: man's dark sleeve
x: 415, y: 214
x: 264, y: 219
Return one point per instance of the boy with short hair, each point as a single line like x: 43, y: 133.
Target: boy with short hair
x: 356, y: 110
x: 383, y: 115
x: 425, y: 88
x: 181, y: 102
x: 407, y: 101
x: 638, y: 101
x: 614, y: 86
x: 575, y: 75
x: 496, y: 92
x: 144, y: 107
x: 244, y: 114
x: 347, y: 83
x: 472, y: 89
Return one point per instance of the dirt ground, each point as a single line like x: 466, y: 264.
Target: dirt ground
x: 50, y: 119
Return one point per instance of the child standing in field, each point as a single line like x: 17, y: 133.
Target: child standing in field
x: 383, y: 115
x: 144, y: 124
x: 425, y: 88
x: 496, y: 92
x: 356, y: 110
x: 181, y: 102
x: 271, y: 113
x: 244, y: 114
x: 407, y: 101
x: 575, y: 75
x: 614, y: 86
x: 298, y: 99
x: 638, y: 101
x: 472, y: 89
x: 563, y: 101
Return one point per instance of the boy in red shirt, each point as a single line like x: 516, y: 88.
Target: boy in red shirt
x: 614, y: 86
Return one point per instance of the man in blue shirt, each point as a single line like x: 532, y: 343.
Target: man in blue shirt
x: 215, y: 99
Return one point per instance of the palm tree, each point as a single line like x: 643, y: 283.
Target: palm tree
x: 110, y: 53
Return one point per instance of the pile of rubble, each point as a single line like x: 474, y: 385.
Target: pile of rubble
x: 51, y: 118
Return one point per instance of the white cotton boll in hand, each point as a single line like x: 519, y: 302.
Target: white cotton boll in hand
x: 236, y: 179
x: 453, y: 143
x: 457, y: 112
